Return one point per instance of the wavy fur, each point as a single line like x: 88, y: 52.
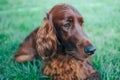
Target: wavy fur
x: 63, y: 55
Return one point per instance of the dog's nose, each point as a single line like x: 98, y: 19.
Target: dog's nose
x: 90, y: 49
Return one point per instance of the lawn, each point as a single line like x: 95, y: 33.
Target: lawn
x: 19, y: 17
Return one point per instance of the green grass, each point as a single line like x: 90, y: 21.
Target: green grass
x: 19, y: 17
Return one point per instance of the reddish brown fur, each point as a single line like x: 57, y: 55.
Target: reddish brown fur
x: 53, y: 42
x: 27, y: 50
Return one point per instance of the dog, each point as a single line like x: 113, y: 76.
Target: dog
x: 62, y: 44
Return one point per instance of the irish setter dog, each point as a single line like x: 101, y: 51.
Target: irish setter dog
x: 62, y: 44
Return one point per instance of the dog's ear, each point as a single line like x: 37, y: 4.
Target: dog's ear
x: 46, y: 39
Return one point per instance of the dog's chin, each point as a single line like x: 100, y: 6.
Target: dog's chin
x: 77, y: 55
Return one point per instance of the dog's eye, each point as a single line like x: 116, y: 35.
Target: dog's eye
x: 66, y: 26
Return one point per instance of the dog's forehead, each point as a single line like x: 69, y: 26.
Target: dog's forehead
x: 63, y: 10
x: 63, y: 15
x: 66, y: 16
x: 60, y: 7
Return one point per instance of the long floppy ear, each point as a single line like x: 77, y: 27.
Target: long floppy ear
x: 46, y: 39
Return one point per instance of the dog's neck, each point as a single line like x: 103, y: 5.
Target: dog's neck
x: 67, y: 67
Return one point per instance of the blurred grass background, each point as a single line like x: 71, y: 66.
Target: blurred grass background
x: 19, y: 17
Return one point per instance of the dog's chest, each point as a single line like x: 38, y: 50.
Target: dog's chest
x: 67, y: 69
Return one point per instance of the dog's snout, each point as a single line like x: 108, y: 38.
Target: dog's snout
x: 90, y: 49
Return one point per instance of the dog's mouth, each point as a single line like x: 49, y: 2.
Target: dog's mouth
x: 80, y: 54
x: 75, y: 54
x: 70, y: 52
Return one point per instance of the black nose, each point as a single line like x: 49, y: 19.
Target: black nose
x: 90, y: 50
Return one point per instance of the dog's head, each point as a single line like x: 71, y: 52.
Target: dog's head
x: 63, y: 27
